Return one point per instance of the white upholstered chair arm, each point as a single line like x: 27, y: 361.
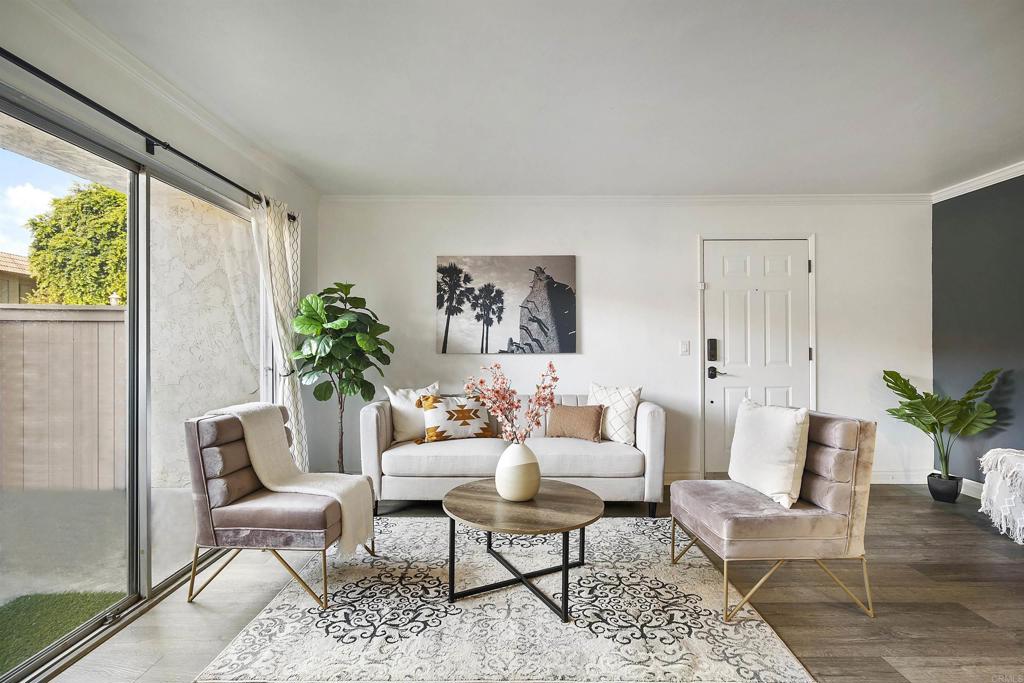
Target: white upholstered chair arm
x: 650, y: 440
x: 375, y: 432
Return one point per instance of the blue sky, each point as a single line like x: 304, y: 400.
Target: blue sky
x: 26, y: 188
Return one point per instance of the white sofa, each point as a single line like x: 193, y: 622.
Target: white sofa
x: 616, y: 472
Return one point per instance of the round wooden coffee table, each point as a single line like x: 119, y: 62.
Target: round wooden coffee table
x: 558, y: 508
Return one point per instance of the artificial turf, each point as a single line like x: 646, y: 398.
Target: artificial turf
x: 31, y: 622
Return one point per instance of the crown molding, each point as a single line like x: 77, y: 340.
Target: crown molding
x: 93, y: 38
x: 990, y: 178
x: 657, y: 200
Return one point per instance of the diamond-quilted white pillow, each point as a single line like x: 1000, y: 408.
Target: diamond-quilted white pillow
x: 769, y: 449
x: 618, y: 423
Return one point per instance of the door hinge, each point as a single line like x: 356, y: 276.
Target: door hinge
x: 809, y: 268
x: 810, y: 353
x: 702, y: 285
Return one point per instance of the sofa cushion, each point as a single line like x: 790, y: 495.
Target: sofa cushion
x: 455, y: 458
x: 266, y: 509
x: 564, y: 457
x: 737, y: 521
x: 558, y: 457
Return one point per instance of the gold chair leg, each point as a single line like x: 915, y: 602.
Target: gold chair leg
x: 672, y: 553
x: 727, y: 615
x: 725, y: 589
x: 323, y: 565
x: 868, y: 609
x: 320, y: 601
x: 195, y: 563
x: 192, y: 576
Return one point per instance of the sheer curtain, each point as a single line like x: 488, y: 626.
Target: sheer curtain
x: 277, y: 247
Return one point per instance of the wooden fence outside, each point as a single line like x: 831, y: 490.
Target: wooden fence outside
x: 63, y: 400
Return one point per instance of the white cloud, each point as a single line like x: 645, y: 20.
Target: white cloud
x: 27, y: 200
x: 18, y: 203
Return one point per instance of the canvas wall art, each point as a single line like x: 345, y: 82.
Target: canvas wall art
x: 506, y: 304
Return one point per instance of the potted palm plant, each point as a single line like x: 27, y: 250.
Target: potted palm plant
x: 944, y: 419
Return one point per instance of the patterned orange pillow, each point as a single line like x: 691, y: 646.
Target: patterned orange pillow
x: 454, y: 417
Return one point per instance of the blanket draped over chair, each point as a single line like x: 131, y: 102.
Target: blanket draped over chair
x: 267, y: 443
x: 1002, y: 497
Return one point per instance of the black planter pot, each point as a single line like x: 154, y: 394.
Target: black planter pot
x: 944, y: 490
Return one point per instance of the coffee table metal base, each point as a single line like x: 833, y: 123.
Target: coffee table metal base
x: 519, y: 577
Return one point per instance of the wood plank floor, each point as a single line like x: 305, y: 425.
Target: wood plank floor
x: 949, y: 600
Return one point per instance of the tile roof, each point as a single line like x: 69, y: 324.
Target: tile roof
x: 13, y: 263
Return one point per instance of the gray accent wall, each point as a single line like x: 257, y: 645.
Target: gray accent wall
x: 978, y: 309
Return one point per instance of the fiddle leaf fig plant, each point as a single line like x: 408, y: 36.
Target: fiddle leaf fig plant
x: 341, y: 340
x: 942, y: 418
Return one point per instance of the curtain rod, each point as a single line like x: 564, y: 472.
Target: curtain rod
x: 152, y: 141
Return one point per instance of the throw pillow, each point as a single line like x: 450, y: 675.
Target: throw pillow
x: 619, y: 420
x: 454, y: 417
x: 576, y: 422
x: 769, y: 449
x: 406, y: 417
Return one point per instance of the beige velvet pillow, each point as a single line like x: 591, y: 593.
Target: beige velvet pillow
x: 576, y: 422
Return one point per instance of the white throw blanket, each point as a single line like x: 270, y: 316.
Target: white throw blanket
x: 1002, y: 497
x: 267, y: 443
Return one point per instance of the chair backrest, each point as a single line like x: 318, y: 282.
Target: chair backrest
x: 221, y: 471
x: 837, y: 476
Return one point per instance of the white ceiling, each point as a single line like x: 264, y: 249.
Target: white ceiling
x: 612, y: 97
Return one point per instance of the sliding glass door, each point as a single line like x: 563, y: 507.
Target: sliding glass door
x: 129, y: 302
x: 65, y: 543
x: 204, y: 347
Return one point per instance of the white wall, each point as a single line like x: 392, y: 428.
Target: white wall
x: 636, y: 287
x: 50, y: 35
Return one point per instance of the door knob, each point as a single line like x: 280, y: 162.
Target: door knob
x: 714, y: 372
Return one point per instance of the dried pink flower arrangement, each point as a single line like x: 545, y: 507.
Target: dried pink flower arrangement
x: 501, y: 400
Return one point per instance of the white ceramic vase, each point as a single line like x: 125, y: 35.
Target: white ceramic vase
x: 517, y: 477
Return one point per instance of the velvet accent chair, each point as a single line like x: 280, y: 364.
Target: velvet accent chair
x: 234, y: 511
x: 739, y: 524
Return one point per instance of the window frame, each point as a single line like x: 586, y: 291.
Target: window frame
x: 141, y: 594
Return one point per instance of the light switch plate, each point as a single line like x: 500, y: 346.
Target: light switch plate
x: 684, y: 348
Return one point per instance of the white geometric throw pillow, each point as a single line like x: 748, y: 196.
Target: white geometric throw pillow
x: 619, y: 420
x: 769, y: 450
x: 454, y: 417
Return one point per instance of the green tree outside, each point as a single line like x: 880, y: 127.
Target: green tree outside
x: 79, y: 251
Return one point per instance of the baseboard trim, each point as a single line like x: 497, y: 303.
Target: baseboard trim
x: 877, y: 477
x: 674, y: 476
x: 972, y: 488
x: 900, y: 476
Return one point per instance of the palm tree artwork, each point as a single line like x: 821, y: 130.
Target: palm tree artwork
x: 454, y: 291
x: 489, y: 303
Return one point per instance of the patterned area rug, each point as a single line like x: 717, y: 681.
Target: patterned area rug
x: 634, y: 616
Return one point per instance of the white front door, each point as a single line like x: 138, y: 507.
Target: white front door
x: 756, y: 333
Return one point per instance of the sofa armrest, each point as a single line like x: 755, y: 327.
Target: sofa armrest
x: 650, y: 440
x: 375, y: 432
